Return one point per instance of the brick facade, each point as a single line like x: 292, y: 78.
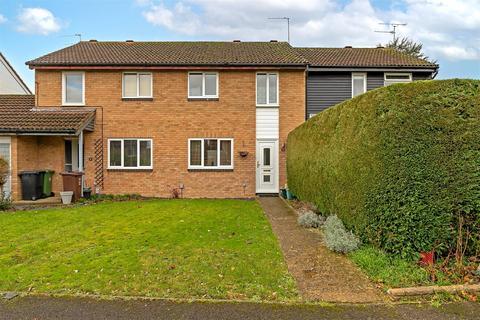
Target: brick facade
x: 169, y: 119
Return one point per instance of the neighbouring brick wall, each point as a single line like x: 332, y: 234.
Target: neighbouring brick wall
x: 170, y: 119
x: 37, y: 153
x: 292, y: 113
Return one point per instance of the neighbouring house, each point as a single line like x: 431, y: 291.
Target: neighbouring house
x: 10, y: 81
x: 338, y: 74
x: 198, y: 119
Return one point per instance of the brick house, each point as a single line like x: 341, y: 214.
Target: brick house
x: 204, y: 119
x: 209, y: 119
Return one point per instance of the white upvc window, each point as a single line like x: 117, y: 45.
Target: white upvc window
x: 391, y: 78
x: 210, y: 153
x: 359, y: 84
x: 137, y: 85
x: 130, y: 153
x: 73, y: 88
x: 202, y: 85
x: 267, y: 89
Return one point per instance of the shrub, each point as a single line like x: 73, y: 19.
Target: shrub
x: 337, y: 238
x: 5, y: 201
x: 399, y: 165
x: 310, y: 219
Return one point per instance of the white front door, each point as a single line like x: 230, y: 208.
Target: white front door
x: 5, y: 154
x: 267, y: 166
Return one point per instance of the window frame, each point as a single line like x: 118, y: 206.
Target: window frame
x: 64, y: 88
x: 385, y: 80
x: 364, y: 76
x: 268, y: 104
x: 137, y: 73
x: 202, y: 156
x: 203, y: 96
x: 122, y: 147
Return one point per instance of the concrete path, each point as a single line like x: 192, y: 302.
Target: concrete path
x: 43, y: 308
x: 320, y: 273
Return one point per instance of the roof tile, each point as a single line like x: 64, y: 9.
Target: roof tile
x: 172, y: 53
x: 361, y: 57
x: 18, y: 114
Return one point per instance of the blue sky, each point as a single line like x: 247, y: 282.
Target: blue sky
x: 449, y: 31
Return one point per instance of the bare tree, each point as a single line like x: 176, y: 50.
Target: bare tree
x: 408, y: 46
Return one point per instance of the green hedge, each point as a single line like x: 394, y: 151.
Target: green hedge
x: 399, y: 165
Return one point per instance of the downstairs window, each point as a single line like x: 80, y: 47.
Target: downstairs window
x: 130, y: 153
x: 210, y: 153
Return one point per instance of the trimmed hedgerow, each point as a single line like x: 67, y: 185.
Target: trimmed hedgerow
x: 399, y: 165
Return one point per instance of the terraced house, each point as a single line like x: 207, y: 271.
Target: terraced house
x: 195, y: 119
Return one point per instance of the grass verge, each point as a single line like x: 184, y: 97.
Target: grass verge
x: 392, y: 271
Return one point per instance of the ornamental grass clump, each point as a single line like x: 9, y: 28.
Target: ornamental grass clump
x: 337, y: 238
x: 310, y: 219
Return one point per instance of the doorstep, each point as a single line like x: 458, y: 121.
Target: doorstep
x: 40, y: 202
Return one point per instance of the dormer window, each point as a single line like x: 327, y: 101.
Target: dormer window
x: 73, y: 88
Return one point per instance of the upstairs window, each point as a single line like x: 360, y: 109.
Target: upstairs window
x: 391, y: 78
x: 130, y: 154
x: 73, y: 88
x: 359, y: 84
x: 202, y: 85
x: 137, y: 85
x: 267, y: 89
x: 210, y: 153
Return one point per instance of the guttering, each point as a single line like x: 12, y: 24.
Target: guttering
x: 37, y: 133
x: 168, y: 67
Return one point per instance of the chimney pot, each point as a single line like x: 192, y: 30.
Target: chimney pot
x: 237, y: 41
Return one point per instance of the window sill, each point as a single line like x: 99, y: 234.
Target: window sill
x: 268, y: 105
x: 210, y: 170
x: 137, y: 99
x: 129, y: 170
x: 73, y: 105
x: 203, y: 99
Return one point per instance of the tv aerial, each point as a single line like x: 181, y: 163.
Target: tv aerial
x: 394, y: 27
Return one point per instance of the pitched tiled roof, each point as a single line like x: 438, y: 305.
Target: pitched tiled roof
x: 361, y: 57
x: 88, y: 53
x: 19, y: 115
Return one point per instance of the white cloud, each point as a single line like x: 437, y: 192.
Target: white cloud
x: 447, y: 28
x: 37, y: 21
x: 2, y: 18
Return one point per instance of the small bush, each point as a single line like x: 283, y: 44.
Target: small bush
x: 5, y: 201
x: 337, y: 238
x: 310, y: 219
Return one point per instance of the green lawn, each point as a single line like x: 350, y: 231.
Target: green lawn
x: 159, y: 248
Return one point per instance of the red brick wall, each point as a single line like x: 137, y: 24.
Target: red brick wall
x: 37, y: 153
x: 170, y: 119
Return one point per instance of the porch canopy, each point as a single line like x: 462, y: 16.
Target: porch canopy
x: 19, y: 116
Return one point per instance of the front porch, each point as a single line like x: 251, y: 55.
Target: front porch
x: 37, y: 139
